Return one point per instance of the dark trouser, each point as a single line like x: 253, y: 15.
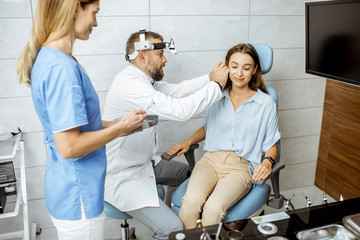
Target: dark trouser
x: 172, y: 174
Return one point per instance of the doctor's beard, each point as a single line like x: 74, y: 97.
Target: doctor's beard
x: 156, y: 73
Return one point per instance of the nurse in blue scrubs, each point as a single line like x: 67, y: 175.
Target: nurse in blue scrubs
x: 68, y: 108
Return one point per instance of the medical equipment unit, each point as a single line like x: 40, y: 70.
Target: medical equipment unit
x: 144, y: 45
x: 17, y: 187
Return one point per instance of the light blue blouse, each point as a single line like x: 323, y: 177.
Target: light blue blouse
x: 64, y: 98
x: 249, y: 131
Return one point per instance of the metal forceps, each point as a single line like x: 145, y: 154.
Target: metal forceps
x: 151, y: 104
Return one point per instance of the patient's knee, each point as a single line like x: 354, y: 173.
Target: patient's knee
x: 193, y: 203
x: 213, y: 213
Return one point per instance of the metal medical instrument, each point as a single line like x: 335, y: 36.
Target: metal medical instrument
x: 205, y: 235
x: 308, y: 201
x: 325, y: 199
x: 218, y: 231
x: 288, y: 203
x: 151, y: 104
x: 144, y: 45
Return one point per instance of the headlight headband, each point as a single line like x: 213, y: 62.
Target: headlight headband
x: 144, y: 45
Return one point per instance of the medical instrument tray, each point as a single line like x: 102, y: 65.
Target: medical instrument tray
x: 352, y: 223
x: 7, y: 177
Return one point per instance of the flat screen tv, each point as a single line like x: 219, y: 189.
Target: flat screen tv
x: 333, y: 39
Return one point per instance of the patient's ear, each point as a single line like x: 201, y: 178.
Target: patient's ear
x: 256, y: 67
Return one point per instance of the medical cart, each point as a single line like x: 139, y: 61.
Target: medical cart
x: 21, y: 195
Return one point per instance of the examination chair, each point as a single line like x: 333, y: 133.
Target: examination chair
x: 254, y: 202
x: 113, y: 212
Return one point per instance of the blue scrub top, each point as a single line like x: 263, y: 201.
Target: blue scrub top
x: 249, y: 131
x: 64, y: 98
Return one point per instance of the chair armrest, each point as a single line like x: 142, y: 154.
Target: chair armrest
x: 275, y: 170
x: 168, y: 157
x: 189, y: 155
x: 278, y: 200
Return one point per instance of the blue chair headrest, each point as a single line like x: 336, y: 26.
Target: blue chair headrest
x: 265, y: 54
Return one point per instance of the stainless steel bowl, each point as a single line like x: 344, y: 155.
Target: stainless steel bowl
x: 149, y: 121
x: 329, y: 232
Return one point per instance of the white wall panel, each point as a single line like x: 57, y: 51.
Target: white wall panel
x: 111, y: 35
x: 288, y: 63
x: 14, y: 34
x: 300, y: 122
x: 102, y: 69
x: 202, y: 33
x: 199, y: 7
x: 19, y: 112
x: 291, y: 93
x: 9, y: 82
x: 124, y: 8
x: 15, y: 8
x: 118, y: 8
x: 277, y: 7
x: 188, y: 65
x: 278, y: 31
x: 299, y: 150
x: 297, y: 176
x: 35, y: 182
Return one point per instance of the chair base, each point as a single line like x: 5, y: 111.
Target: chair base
x: 125, y: 230
x: 276, y: 202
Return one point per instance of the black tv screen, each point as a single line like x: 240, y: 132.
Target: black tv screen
x: 333, y: 39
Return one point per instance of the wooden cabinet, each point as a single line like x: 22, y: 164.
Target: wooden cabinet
x: 338, y: 165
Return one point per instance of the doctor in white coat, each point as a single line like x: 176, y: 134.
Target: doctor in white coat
x: 132, y: 168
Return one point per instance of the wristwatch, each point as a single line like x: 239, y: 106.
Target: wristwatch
x: 270, y: 159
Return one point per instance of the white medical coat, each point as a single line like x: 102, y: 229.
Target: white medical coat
x: 130, y: 181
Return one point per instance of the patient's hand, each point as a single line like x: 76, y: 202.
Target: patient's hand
x: 262, y: 171
x: 179, y: 148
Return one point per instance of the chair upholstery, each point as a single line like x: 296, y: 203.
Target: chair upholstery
x: 266, y: 55
x: 259, y: 194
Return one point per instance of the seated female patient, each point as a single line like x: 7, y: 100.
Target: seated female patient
x: 241, y: 133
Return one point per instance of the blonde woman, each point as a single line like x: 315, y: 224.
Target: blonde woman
x: 68, y: 108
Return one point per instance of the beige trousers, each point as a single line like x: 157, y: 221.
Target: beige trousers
x: 217, y: 182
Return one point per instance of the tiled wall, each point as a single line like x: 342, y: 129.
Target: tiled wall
x: 203, y: 31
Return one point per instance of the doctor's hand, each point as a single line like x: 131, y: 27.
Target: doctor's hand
x: 130, y: 122
x: 262, y: 171
x: 220, y: 73
x: 179, y: 148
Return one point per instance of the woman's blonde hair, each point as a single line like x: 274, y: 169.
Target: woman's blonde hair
x: 54, y: 19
